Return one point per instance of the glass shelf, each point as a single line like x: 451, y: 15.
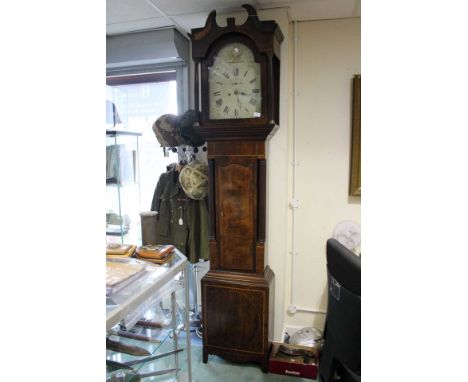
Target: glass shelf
x: 122, y: 187
x: 153, y: 348
x: 158, y: 295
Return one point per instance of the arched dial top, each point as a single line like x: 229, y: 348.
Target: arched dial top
x: 234, y: 84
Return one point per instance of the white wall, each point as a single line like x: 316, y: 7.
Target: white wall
x: 328, y: 55
x: 277, y: 178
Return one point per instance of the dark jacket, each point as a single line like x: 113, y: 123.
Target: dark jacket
x: 181, y: 221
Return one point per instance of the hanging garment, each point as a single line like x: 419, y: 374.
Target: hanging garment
x: 112, y: 115
x: 182, y: 222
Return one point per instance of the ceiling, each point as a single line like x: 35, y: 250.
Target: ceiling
x: 132, y: 15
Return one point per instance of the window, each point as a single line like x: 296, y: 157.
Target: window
x: 148, y: 97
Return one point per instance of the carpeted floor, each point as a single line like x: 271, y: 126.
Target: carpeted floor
x: 216, y: 370
x: 219, y: 370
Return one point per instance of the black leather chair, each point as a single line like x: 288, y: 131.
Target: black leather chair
x: 340, y: 359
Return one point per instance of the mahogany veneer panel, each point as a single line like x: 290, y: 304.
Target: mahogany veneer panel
x: 236, y: 204
x: 237, y: 320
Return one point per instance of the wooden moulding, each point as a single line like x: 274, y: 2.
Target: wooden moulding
x: 211, y: 199
x: 355, y: 176
x: 222, y: 132
x: 259, y: 258
x: 265, y: 30
x: 236, y: 148
x: 241, y: 277
x: 261, y: 206
x: 214, y: 254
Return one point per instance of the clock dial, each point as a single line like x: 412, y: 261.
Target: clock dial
x: 234, y: 84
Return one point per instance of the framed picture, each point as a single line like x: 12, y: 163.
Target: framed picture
x: 355, y: 178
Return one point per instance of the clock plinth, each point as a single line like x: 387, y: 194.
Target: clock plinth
x: 239, y: 87
x: 238, y: 318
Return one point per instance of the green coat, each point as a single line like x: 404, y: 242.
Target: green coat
x: 181, y: 221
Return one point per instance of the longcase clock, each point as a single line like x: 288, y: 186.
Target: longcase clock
x: 237, y: 100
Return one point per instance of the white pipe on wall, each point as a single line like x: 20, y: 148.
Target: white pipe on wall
x: 294, y: 204
x: 307, y: 310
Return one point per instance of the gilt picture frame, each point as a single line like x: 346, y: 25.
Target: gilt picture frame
x: 355, y: 173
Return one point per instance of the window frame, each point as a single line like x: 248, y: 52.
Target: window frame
x: 179, y: 73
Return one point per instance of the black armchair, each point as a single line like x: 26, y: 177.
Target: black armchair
x: 340, y: 359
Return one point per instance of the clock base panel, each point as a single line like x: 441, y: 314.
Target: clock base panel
x: 238, y: 316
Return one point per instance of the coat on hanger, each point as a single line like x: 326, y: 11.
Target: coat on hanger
x: 181, y: 221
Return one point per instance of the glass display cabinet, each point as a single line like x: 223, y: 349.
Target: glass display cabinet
x: 116, y: 108
x: 122, y: 187
x: 146, y: 338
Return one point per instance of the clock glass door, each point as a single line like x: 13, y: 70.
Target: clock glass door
x: 234, y: 84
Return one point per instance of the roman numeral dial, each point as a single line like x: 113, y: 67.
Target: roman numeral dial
x: 234, y: 82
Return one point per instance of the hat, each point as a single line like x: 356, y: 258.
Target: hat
x: 166, y: 132
x: 185, y: 125
x: 194, y: 180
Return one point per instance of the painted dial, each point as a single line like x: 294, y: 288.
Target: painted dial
x: 234, y: 84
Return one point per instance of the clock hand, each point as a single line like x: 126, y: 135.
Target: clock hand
x: 238, y: 101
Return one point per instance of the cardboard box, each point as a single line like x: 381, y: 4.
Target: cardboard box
x: 298, y: 361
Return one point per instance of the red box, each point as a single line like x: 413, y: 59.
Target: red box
x: 303, y: 363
